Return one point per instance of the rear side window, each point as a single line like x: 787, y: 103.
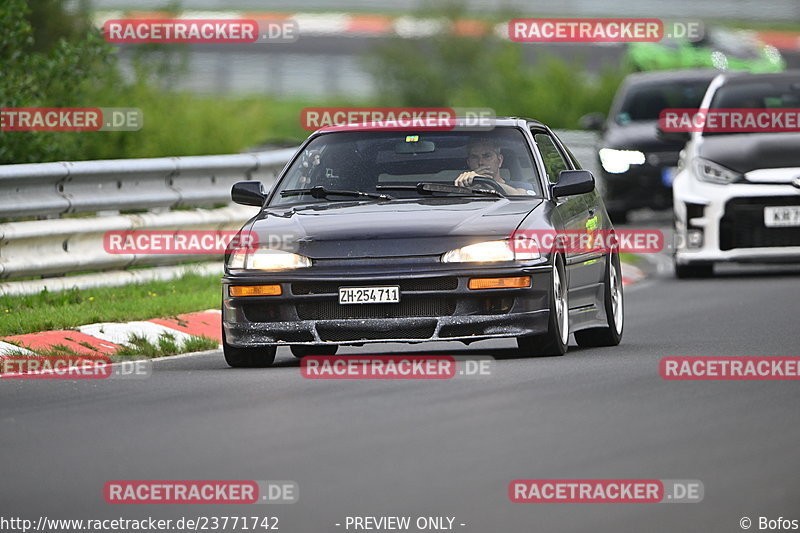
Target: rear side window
x: 553, y: 161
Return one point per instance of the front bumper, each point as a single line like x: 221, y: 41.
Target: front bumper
x: 435, y: 305
x: 730, y: 218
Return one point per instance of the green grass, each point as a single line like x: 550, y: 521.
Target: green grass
x: 68, y: 309
x: 137, y: 348
x: 632, y: 259
x: 182, y: 124
x: 167, y: 345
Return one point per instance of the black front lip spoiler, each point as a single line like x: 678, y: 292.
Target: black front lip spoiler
x: 254, y: 334
x: 529, y: 316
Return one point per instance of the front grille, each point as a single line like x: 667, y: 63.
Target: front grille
x: 334, y: 333
x: 459, y: 330
x: 332, y: 287
x: 743, y: 224
x: 408, y: 307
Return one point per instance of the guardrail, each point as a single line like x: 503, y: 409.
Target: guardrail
x: 60, y: 243
x: 55, y: 189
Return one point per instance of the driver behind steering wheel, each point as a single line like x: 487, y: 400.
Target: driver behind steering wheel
x: 484, y: 159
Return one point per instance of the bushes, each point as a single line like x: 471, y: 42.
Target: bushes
x: 60, y: 75
x: 456, y: 71
x: 78, y: 69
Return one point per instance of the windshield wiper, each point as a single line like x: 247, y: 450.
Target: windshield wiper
x: 322, y: 192
x: 428, y: 187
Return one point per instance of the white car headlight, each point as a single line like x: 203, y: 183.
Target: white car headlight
x: 619, y: 161
x: 266, y: 259
x: 713, y: 173
x: 489, y: 251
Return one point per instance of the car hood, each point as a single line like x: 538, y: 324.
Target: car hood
x: 390, y: 229
x: 640, y: 136
x: 743, y: 152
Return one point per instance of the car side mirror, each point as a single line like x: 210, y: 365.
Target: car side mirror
x: 593, y: 121
x: 248, y: 193
x: 677, y: 137
x: 572, y: 182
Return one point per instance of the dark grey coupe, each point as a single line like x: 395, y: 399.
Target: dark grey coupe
x: 389, y: 235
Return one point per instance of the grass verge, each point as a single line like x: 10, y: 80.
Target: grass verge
x: 137, y: 348
x: 631, y: 259
x: 68, y: 309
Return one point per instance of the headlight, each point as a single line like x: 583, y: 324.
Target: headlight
x: 619, y: 161
x: 713, y: 173
x: 484, y: 252
x: 266, y: 259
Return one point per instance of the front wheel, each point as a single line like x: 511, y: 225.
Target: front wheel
x: 610, y: 335
x: 554, y: 342
x: 248, y: 357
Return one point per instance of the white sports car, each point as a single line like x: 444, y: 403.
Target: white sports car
x: 737, y: 193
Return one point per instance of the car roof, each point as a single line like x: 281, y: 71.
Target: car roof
x: 671, y: 75
x: 742, y: 77
x: 502, y: 122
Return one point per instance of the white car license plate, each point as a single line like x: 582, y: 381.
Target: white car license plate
x: 782, y: 217
x: 369, y: 295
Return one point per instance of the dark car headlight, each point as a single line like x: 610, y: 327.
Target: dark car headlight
x: 619, y: 161
x: 266, y: 259
x: 487, y: 252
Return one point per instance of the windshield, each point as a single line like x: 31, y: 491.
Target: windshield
x: 756, y: 95
x: 645, y: 102
x: 394, y: 162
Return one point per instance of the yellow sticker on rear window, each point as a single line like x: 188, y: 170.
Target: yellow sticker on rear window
x: 412, y: 138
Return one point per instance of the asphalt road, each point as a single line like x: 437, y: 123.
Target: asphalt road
x: 443, y: 448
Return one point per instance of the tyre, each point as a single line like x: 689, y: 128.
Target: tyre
x: 694, y: 271
x: 248, y: 357
x: 554, y: 342
x: 302, y: 350
x: 611, y: 335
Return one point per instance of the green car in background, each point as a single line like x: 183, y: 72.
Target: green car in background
x: 720, y: 48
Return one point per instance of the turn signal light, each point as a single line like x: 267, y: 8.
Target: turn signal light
x: 520, y: 282
x: 254, y: 290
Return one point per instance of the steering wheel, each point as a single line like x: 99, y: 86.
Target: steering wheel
x: 481, y: 180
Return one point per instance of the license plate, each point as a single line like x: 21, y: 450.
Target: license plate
x: 369, y: 295
x: 667, y: 175
x: 782, y: 217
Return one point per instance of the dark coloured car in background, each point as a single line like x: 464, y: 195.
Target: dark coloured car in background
x: 637, y: 165
x: 379, y: 245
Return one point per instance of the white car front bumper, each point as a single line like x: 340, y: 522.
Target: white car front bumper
x: 739, y: 237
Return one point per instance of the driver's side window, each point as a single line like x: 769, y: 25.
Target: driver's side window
x: 553, y: 161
